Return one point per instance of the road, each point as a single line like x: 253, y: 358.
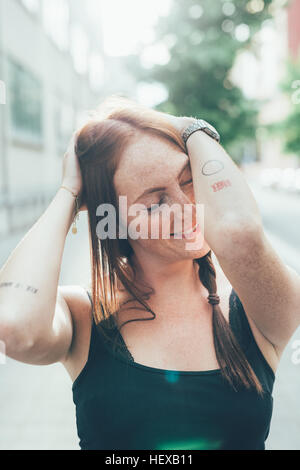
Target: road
x: 36, y: 407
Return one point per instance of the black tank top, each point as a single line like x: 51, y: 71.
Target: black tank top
x: 121, y: 404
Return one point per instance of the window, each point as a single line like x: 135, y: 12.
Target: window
x: 25, y: 103
x: 56, y: 22
x: 79, y: 49
x: 32, y: 5
x: 96, y: 72
x: 2, y: 92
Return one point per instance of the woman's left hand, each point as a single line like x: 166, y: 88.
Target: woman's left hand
x: 179, y: 123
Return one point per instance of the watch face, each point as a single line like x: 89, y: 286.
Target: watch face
x: 210, y: 132
x: 209, y: 129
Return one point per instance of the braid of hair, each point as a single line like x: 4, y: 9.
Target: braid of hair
x: 233, y: 363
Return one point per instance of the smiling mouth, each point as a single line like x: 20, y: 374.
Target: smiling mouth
x: 189, y: 233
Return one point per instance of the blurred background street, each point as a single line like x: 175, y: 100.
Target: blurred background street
x: 234, y: 63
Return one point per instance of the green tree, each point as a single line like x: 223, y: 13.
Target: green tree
x: 204, y: 38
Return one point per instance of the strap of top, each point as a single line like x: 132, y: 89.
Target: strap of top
x: 112, y: 330
x: 240, y: 326
x: 239, y: 322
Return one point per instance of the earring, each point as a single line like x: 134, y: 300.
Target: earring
x: 74, y: 228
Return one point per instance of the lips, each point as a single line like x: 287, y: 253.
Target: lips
x: 188, y: 233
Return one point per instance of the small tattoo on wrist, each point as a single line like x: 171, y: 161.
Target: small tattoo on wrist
x: 18, y: 285
x: 221, y: 185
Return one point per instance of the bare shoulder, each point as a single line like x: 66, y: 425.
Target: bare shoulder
x: 266, y: 348
x: 80, y: 308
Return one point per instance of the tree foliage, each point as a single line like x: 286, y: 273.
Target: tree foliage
x: 203, y: 38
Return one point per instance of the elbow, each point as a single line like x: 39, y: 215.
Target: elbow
x: 14, y: 341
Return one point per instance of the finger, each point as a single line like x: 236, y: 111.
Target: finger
x: 71, y: 146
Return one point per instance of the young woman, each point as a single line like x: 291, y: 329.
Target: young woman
x: 198, y: 372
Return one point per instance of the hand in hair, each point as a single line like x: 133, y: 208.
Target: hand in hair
x: 180, y: 123
x: 72, y: 177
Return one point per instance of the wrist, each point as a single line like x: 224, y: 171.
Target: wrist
x: 67, y: 196
x: 75, y: 204
x: 199, y: 125
x: 186, y: 122
x: 66, y: 205
x: 71, y: 189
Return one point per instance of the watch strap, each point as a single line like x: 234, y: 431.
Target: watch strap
x: 200, y: 125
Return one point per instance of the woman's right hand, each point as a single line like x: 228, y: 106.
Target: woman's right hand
x: 72, y: 177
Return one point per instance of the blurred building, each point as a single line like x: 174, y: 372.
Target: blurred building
x: 286, y: 44
x: 54, y: 69
x: 260, y: 72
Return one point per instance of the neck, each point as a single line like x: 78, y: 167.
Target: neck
x: 163, y: 275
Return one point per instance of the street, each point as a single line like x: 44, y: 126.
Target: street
x: 36, y: 406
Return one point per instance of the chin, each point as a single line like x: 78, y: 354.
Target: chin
x: 196, y: 253
x: 203, y: 249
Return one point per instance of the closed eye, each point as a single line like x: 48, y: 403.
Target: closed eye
x: 187, y: 182
x: 155, y: 206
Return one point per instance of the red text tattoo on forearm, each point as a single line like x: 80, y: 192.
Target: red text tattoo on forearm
x: 221, y: 185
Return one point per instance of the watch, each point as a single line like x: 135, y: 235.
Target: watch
x: 200, y: 125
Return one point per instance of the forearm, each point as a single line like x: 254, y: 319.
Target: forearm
x: 29, y: 278
x: 220, y: 186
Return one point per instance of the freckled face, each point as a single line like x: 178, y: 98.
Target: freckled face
x: 154, y: 171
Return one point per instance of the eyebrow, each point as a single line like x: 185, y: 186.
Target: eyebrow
x: 162, y: 188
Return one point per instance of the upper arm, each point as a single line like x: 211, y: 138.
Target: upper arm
x: 54, y: 345
x: 268, y: 289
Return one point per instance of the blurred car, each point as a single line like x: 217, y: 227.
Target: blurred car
x: 285, y: 179
x: 270, y: 177
x: 297, y: 180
